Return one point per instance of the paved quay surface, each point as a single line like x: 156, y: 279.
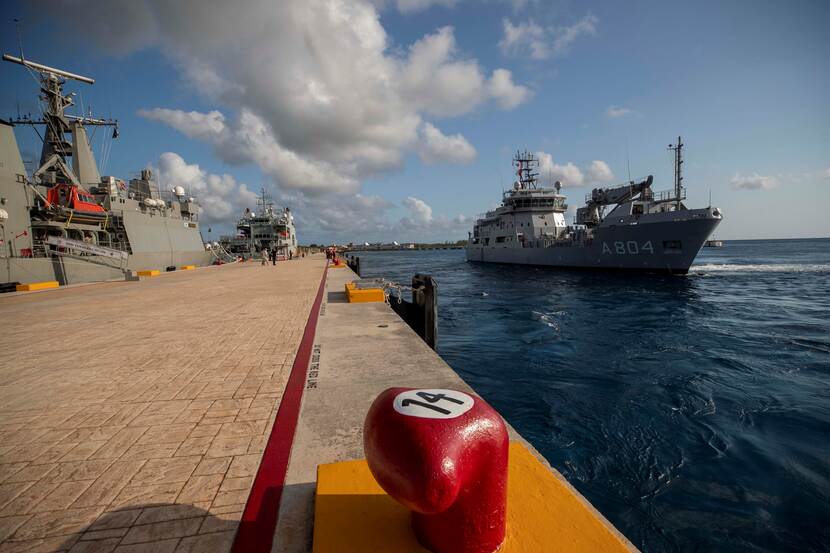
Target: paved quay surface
x: 133, y: 415
x: 360, y: 350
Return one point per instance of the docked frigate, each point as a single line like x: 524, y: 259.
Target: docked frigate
x: 264, y: 228
x: 65, y: 221
x: 626, y: 227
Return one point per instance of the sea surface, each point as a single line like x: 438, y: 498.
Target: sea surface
x: 693, y: 412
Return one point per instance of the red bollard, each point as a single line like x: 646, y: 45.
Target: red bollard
x: 442, y: 454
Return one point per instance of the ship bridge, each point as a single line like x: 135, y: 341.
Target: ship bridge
x: 548, y: 199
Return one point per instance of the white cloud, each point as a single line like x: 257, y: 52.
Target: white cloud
x: 435, y: 80
x: 419, y: 211
x: 754, y: 182
x: 356, y: 218
x: 436, y: 147
x: 507, y: 94
x: 565, y: 36
x: 309, y: 90
x: 250, y: 140
x: 550, y: 171
x: 220, y: 196
x: 524, y: 39
x: 538, y: 43
x: 432, y: 79
x: 615, y: 112
x: 599, y: 172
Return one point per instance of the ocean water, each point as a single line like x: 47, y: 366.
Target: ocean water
x: 693, y: 412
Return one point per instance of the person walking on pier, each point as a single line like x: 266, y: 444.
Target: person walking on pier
x: 264, y: 256
x: 274, y: 256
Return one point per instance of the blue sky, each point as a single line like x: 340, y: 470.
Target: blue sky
x: 397, y: 119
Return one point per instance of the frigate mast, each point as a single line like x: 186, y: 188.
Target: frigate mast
x: 55, y: 119
x: 525, y: 162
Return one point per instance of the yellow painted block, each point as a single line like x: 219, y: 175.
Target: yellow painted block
x: 152, y: 273
x: 37, y: 286
x: 352, y: 513
x: 187, y: 268
x: 337, y: 265
x: 365, y: 295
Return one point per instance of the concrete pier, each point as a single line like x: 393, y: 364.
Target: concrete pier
x: 360, y: 350
x: 154, y: 416
x: 133, y: 415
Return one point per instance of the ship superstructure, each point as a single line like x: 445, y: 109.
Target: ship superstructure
x: 65, y: 222
x: 265, y: 228
x: 622, y: 227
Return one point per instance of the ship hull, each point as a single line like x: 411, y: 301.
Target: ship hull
x: 73, y: 270
x: 649, y: 247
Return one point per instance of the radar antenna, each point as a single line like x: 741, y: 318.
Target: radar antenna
x: 55, y: 118
x: 525, y: 163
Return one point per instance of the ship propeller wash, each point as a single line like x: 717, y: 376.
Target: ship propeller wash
x: 623, y: 227
x: 67, y: 223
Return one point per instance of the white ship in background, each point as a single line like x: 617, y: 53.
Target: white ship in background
x: 267, y: 228
x: 643, y: 231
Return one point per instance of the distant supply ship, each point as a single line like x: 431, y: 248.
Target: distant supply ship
x: 643, y: 231
x: 67, y: 223
x: 266, y: 229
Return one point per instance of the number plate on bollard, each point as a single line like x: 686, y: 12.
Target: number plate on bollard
x: 433, y: 403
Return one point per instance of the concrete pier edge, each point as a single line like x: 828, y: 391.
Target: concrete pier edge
x: 259, y: 519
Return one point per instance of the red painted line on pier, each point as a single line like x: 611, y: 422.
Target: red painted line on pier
x: 259, y: 519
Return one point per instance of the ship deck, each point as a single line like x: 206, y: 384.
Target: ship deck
x: 133, y: 415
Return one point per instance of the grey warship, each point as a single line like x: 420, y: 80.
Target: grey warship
x: 65, y: 221
x: 626, y: 227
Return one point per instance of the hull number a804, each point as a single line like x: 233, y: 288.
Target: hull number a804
x: 630, y: 247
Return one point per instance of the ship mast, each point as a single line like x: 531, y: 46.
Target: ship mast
x: 525, y: 162
x: 265, y: 201
x: 55, y: 118
x: 678, y: 177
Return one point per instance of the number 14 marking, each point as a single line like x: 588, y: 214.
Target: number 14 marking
x: 431, y: 398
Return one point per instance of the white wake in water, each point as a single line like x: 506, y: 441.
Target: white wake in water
x: 763, y: 268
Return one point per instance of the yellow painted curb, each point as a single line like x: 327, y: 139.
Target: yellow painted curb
x: 352, y: 513
x: 364, y: 295
x: 30, y: 287
x: 187, y: 267
x: 152, y: 273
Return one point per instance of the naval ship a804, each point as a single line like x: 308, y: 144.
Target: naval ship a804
x: 627, y: 227
x: 67, y: 223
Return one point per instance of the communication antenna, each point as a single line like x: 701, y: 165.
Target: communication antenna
x: 19, y: 37
x: 678, y: 176
x: 628, y: 159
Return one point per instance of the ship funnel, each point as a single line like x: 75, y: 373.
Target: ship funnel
x: 649, y: 180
